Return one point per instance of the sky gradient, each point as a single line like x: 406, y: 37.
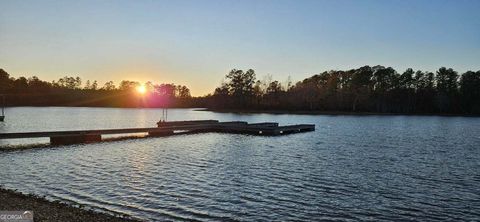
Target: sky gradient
x: 195, y: 43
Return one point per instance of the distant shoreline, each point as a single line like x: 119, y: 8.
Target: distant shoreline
x: 45, y: 210
x: 271, y: 111
x: 329, y: 113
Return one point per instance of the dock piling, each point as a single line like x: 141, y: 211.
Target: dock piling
x: 2, y: 117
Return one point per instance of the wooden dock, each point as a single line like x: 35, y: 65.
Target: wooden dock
x: 166, y: 129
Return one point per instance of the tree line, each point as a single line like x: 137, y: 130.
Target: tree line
x: 366, y: 89
x: 70, y: 91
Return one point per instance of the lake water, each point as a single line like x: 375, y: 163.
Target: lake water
x: 350, y: 168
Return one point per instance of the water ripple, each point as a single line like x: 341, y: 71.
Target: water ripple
x: 367, y: 168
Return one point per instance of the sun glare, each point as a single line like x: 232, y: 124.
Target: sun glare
x: 141, y: 89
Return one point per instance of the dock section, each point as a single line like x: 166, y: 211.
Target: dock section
x: 165, y: 129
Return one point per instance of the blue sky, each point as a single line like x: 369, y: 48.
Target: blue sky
x: 195, y: 43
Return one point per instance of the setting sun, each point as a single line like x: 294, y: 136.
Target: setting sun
x: 141, y: 89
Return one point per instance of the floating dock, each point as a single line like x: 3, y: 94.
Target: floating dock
x: 166, y: 129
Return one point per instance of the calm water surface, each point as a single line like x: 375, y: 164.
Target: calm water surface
x: 350, y: 168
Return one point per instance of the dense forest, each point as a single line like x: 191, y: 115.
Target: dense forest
x: 69, y: 91
x: 366, y: 89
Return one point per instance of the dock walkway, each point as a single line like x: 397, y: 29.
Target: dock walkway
x: 166, y: 129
